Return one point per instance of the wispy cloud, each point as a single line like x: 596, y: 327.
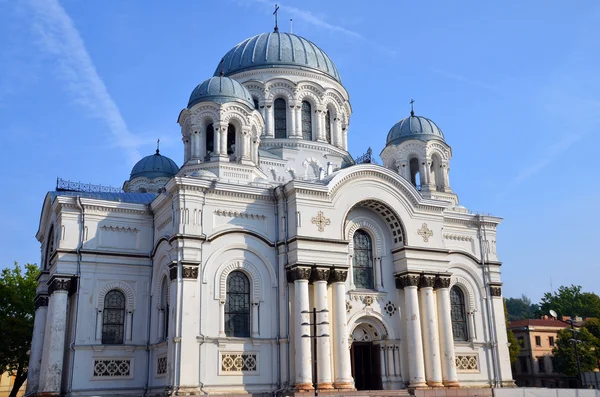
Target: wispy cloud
x: 462, y: 79
x: 318, y: 22
x: 59, y: 38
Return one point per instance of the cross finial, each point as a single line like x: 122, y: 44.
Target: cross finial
x: 412, y: 108
x: 158, y: 146
x: 275, y: 13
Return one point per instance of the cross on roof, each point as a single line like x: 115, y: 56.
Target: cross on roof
x: 412, y: 107
x: 275, y: 13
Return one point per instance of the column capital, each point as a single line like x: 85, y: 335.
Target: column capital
x: 408, y: 280
x: 320, y: 274
x: 496, y: 289
x: 427, y: 281
x: 298, y: 273
x: 190, y: 272
x: 40, y: 301
x: 59, y: 284
x: 442, y: 281
x: 338, y: 275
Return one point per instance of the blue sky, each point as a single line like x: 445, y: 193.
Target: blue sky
x: 86, y: 88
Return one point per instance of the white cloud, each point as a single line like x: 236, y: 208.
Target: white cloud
x: 59, y: 38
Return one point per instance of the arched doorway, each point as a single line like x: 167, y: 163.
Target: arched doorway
x: 365, y: 356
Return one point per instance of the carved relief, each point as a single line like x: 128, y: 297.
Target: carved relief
x: 496, y: 290
x: 190, y: 272
x: 425, y: 232
x: 321, y: 221
x: 298, y: 273
x: 408, y: 280
x: 59, y: 284
x: 320, y: 274
x: 426, y: 281
x: 338, y: 275
x: 442, y: 282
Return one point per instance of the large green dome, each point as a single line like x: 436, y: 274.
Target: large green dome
x: 270, y: 50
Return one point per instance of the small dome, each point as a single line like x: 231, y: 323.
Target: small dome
x: 414, y: 127
x: 269, y: 50
x: 154, y: 166
x: 220, y: 89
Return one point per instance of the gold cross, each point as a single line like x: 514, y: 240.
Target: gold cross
x: 425, y: 232
x: 321, y: 221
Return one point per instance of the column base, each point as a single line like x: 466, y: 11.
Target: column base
x: 435, y: 384
x: 417, y: 385
x: 325, y: 386
x: 302, y: 387
x: 344, y: 385
x: 452, y: 384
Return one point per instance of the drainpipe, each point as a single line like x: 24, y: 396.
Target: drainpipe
x: 150, y: 311
x: 78, y: 277
x: 493, y: 341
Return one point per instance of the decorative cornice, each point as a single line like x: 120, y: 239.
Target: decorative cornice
x: 119, y: 229
x: 298, y: 273
x: 239, y: 214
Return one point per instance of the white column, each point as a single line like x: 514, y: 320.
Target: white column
x: 202, y: 145
x: 190, y: 328
x: 186, y: 148
x: 413, y: 327
x: 196, y: 145
x: 291, y: 116
x: 128, y: 325
x: 403, y: 351
x: 398, y: 363
x: 429, y: 325
x: 98, y: 324
x: 269, y: 122
x: 341, y: 350
x: 54, y: 338
x: 383, y: 365
x: 223, y: 136
x: 351, y: 273
x: 378, y: 278
x: 390, y: 360
x: 298, y: 113
x: 300, y: 276
x: 254, y: 319
x: 449, y: 376
x: 337, y: 133
x: 160, y: 330
x: 320, y: 277
x: 222, y: 318
x: 501, y: 337
x: 37, y: 344
x: 345, y: 139
x: 320, y: 130
x: 216, y: 141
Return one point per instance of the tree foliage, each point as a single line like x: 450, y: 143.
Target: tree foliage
x: 17, y: 294
x: 520, y: 308
x: 564, y: 351
x: 571, y: 301
x: 513, y: 348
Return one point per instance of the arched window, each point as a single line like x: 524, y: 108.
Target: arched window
x: 164, y: 306
x: 280, y: 117
x: 458, y: 314
x: 113, y: 318
x: 230, y: 139
x: 237, y: 305
x: 256, y: 106
x: 328, y: 127
x: 210, y: 139
x: 362, y: 265
x: 415, y: 176
x: 49, y: 248
x: 306, y: 121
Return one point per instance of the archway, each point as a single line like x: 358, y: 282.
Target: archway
x: 365, y: 354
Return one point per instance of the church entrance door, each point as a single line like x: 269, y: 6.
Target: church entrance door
x: 366, y: 366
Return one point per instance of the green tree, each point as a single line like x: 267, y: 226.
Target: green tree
x: 564, y: 352
x: 521, y: 308
x: 571, y: 301
x: 17, y: 294
x: 513, y: 348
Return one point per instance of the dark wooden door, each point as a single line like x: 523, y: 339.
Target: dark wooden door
x: 365, y: 366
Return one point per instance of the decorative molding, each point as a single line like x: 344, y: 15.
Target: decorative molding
x: 246, y: 267
x: 458, y: 237
x: 41, y: 301
x: 427, y: 281
x: 408, y: 280
x: 161, y: 365
x: 321, y: 221
x: 442, y: 282
x: 298, y: 273
x: 190, y: 272
x: 390, y: 309
x: 368, y: 298
x: 467, y: 363
x: 239, y: 362
x: 466, y: 287
x: 425, y: 232
x: 239, y: 214
x: 388, y: 215
x: 320, y: 274
x: 59, y: 284
x: 366, y: 224
x: 118, y: 285
x: 165, y: 223
x: 338, y: 275
x: 117, y: 368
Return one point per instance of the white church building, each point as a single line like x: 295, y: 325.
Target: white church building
x: 204, y: 278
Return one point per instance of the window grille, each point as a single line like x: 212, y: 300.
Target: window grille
x: 280, y: 116
x: 458, y: 314
x: 237, y: 305
x: 363, y: 260
x: 113, y: 318
x: 306, y: 121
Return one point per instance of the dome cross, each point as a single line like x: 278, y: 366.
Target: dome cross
x: 275, y: 13
x: 412, y: 107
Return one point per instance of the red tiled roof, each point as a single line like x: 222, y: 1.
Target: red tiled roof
x: 538, y: 323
